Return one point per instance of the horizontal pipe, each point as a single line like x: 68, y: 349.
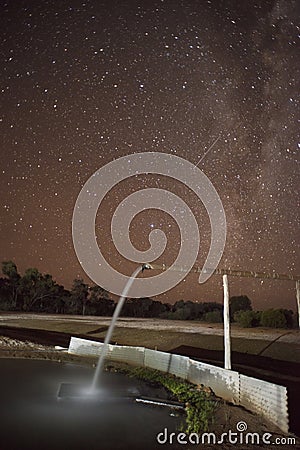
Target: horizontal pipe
x: 235, y: 273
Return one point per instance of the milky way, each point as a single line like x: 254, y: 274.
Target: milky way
x: 215, y: 82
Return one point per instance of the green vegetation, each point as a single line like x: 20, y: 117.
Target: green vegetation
x: 213, y: 317
x: 273, y: 318
x: 189, y: 310
x: 37, y: 292
x: 200, y: 407
x: 247, y: 319
x: 239, y: 303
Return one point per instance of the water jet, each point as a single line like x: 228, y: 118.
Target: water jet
x: 69, y: 391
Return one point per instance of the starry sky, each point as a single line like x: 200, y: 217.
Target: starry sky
x: 214, y: 82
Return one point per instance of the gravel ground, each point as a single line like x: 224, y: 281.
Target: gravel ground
x: 291, y: 336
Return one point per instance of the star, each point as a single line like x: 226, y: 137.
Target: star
x: 213, y: 83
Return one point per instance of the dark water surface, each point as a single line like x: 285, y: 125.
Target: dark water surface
x: 33, y: 418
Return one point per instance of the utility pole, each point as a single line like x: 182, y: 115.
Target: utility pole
x: 298, y: 299
x: 226, y: 314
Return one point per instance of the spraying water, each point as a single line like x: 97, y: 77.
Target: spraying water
x: 110, y: 330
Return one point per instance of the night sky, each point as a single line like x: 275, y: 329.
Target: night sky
x: 214, y: 82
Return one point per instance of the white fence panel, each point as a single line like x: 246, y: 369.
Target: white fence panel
x: 266, y: 399
x: 179, y: 366
x: 224, y: 383
x: 130, y: 355
x: 86, y: 347
x: 157, y: 360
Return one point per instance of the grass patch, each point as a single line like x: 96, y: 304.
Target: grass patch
x: 200, y: 406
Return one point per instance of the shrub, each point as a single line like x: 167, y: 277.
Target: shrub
x: 179, y: 314
x: 247, y: 319
x: 213, y: 316
x: 5, y: 305
x: 239, y: 303
x: 289, y: 316
x: 273, y: 318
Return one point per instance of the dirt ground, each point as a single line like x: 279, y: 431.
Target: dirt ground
x: 166, y: 335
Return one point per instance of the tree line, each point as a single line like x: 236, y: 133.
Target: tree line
x: 39, y: 293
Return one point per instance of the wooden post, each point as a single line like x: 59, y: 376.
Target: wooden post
x: 227, y: 344
x: 298, y: 299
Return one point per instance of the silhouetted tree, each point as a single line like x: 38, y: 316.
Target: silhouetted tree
x: 192, y: 310
x: 79, y: 296
x: 100, y: 303
x: 5, y: 295
x: 9, y: 269
x: 239, y: 303
x: 137, y: 307
x: 157, y: 308
x: 38, y: 289
x: 289, y: 317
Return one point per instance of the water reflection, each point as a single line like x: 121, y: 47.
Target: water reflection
x: 31, y: 416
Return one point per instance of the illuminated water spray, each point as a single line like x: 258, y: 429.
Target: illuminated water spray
x: 110, y: 330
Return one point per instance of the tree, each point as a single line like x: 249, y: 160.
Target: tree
x: 193, y: 310
x: 239, y: 303
x: 138, y: 307
x: 9, y: 269
x: 37, y: 289
x: 57, y: 303
x: 144, y: 305
x: 100, y: 303
x: 182, y: 310
x: 289, y: 317
x: 5, y: 295
x: 79, y: 296
x: 157, y: 308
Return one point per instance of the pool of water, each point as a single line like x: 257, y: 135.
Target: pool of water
x: 33, y: 418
